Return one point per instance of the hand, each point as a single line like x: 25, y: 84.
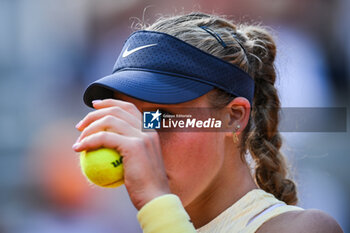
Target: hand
x: 117, y: 124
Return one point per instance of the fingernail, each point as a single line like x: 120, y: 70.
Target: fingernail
x: 75, y: 146
x: 96, y: 101
x: 79, y: 124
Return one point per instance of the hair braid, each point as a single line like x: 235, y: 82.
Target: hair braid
x: 264, y: 140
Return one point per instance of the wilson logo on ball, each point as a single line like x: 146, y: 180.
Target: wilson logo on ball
x: 117, y: 162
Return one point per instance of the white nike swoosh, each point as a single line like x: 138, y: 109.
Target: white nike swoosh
x: 127, y: 53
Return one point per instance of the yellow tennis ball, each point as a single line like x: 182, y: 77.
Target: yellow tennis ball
x: 103, y: 167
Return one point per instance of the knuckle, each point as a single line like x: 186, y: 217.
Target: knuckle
x: 108, y: 119
x: 116, y: 110
x: 101, y: 135
x: 113, y: 122
x: 129, y: 106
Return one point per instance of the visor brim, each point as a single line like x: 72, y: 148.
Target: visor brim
x: 148, y: 86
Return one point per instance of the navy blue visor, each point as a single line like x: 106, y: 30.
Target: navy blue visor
x: 160, y: 68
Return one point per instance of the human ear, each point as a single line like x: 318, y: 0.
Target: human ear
x: 237, y: 113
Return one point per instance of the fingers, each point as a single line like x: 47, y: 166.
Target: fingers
x: 117, y: 125
x: 103, y: 139
x: 127, y: 106
x: 112, y: 124
x: 112, y: 120
x: 114, y: 111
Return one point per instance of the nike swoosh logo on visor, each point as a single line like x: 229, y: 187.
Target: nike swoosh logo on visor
x: 127, y: 53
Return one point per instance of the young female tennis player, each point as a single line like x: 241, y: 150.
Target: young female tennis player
x: 199, y: 181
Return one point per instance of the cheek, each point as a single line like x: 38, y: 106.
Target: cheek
x: 191, y: 160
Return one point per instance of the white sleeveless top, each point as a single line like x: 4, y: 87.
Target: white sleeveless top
x: 247, y: 214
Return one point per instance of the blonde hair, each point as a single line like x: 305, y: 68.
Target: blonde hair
x: 252, y: 48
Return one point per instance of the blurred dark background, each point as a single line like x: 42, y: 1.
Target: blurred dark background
x: 51, y: 50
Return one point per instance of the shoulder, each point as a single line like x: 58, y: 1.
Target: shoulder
x: 301, y: 221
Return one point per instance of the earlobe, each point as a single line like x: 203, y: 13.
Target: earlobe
x: 236, y: 133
